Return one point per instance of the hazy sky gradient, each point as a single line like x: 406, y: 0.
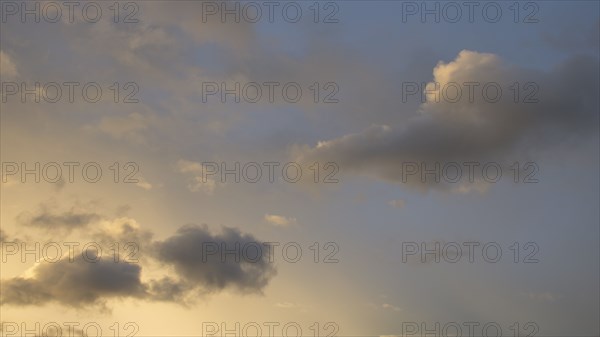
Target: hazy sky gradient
x: 369, y: 133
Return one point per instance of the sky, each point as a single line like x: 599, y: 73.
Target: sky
x: 313, y: 168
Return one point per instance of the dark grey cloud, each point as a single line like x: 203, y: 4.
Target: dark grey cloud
x: 87, y: 281
x: 168, y: 289
x: 212, y: 272
x: 75, y: 283
x: 481, y: 131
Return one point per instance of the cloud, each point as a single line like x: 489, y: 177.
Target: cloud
x: 399, y: 203
x: 293, y: 306
x: 390, y: 307
x: 542, y: 297
x: 473, y: 130
x: 75, y: 218
x: 279, y: 220
x: 3, y: 236
x: 85, y: 280
x: 189, y: 18
x: 169, y: 290
x: 144, y: 184
x: 198, y: 182
x: 285, y: 305
x: 128, y: 127
x: 123, y: 230
x: 75, y: 283
x: 185, y: 251
x: 8, y: 69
